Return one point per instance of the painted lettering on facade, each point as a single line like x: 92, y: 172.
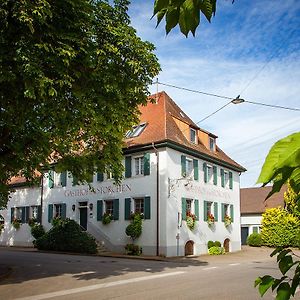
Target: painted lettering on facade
x: 103, y: 190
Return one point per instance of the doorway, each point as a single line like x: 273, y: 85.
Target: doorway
x: 189, y: 248
x: 83, y: 211
x: 226, y: 245
x: 244, y: 235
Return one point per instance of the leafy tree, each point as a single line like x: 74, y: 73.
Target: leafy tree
x: 291, y: 201
x: 185, y: 13
x: 282, y: 165
x: 72, y: 74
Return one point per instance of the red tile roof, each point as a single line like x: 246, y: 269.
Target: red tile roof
x: 253, y: 199
x: 162, y: 127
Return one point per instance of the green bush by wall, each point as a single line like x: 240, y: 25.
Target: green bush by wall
x: 280, y: 228
x: 254, y: 240
x: 67, y: 236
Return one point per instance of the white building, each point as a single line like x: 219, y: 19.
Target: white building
x: 253, y: 205
x: 172, y: 167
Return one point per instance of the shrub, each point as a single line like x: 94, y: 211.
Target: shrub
x: 32, y: 222
x: 132, y: 249
x: 214, y: 250
x: 67, y: 236
x: 279, y: 228
x: 210, y: 244
x: 37, y: 231
x: 254, y: 240
x: 213, y: 244
x: 107, y: 218
x: 134, y: 229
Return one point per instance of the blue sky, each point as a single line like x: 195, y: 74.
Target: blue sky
x: 257, y: 39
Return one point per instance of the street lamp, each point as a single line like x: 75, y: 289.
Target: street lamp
x: 237, y: 100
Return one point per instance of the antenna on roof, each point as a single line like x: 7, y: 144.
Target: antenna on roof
x: 156, y: 97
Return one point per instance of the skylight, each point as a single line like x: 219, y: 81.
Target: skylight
x: 182, y: 114
x: 136, y: 130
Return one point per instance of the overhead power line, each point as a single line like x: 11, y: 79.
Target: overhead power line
x: 230, y: 98
x: 213, y: 113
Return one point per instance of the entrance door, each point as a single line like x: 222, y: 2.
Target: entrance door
x: 244, y: 235
x: 189, y: 248
x: 83, y: 217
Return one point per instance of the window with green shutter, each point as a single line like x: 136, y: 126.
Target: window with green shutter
x: 183, y: 208
x: 222, y: 178
x: 147, y: 164
x: 63, y: 178
x: 147, y: 208
x: 183, y: 166
x: 196, y: 169
x: 205, y: 210
x: 231, y: 213
x: 205, y: 172
x: 127, y: 208
x: 99, y: 210
x: 63, y: 211
x: 216, y: 211
x: 223, y: 211
x: 51, y: 179
x: 215, y: 175
x: 196, y: 202
x: 50, y: 213
x: 230, y: 180
x: 127, y: 166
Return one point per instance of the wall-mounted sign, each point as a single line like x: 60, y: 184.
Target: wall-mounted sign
x: 102, y: 190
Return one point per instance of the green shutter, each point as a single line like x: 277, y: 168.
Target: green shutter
x: 39, y: 216
x: 223, y: 212
x: 197, y: 209
x: 196, y: 169
x: 99, y: 176
x: 216, y: 211
x: 255, y: 229
x: 12, y: 210
x: 147, y: 208
x: 63, y: 211
x: 230, y: 180
x: 26, y: 214
x: 222, y: 178
x: 183, y: 166
x: 205, y: 210
x: 23, y: 213
x: 231, y: 213
x: 75, y: 180
x: 183, y: 208
x: 99, y: 210
x: 51, y: 178
x: 63, y: 178
x: 205, y: 172
x: 127, y: 208
x: 50, y: 212
x: 116, y: 209
x: 128, y: 166
x: 147, y: 164
x: 215, y: 175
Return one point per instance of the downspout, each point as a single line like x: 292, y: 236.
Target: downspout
x: 157, y: 199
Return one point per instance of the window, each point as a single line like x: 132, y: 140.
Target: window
x: 139, y: 165
x: 189, y: 167
x: 139, y: 205
x: 18, y: 213
x: 193, y: 136
x: 226, y: 179
x: 34, y: 212
x: 109, y: 207
x: 212, y: 144
x: 209, y: 173
x: 136, y: 130
x: 57, y: 210
x: 227, y: 212
x: 189, y: 206
x: 210, y: 211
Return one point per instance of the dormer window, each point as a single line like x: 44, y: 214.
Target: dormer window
x: 212, y: 144
x: 193, y: 136
x: 136, y: 130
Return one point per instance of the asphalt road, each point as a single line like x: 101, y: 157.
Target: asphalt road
x: 38, y: 275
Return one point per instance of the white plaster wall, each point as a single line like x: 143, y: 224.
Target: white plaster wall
x: 201, y: 191
x: 251, y: 221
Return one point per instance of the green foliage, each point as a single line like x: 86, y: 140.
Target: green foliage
x: 282, y: 164
x: 185, y: 13
x: 134, y: 229
x: 67, y: 236
x: 214, y: 250
x: 254, y: 240
x: 57, y: 221
x: 72, y: 74
x: 292, y: 201
x: 279, y: 228
x: 191, y: 221
x: 286, y: 285
x: 132, y: 249
x: 213, y: 244
x: 107, y: 218
x: 16, y: 223
x: 37, y: 231
x: 32, y: 222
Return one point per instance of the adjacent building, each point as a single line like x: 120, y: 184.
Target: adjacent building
x: 253, y: 205
x: 173, y: 170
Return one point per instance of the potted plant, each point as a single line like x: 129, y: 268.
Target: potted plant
x: 210, y: 219
x: 190, y: 220
x: 16, y: 223
x: 107, y: 218
x: 32, y: 222
x: 227, y: 220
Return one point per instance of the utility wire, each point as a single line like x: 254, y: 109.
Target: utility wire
x: 213, y: 112
x: 230, y: 98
